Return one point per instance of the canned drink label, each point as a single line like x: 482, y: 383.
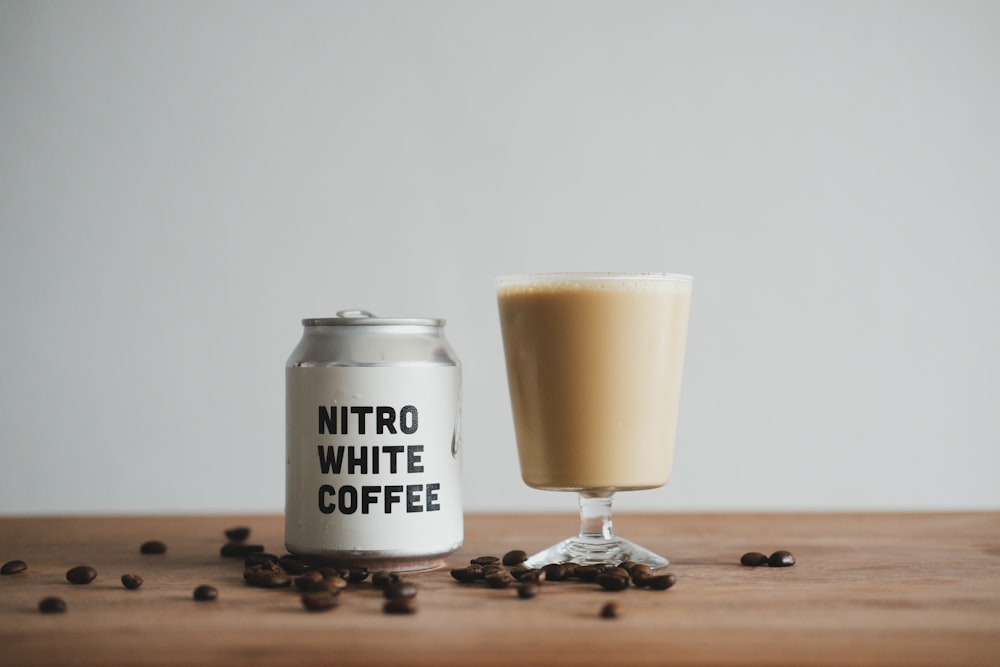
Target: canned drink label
x: 373, y: 459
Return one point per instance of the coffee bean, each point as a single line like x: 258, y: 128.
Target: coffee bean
x: 610, y: 610
x: 153, y: 547
x: 781, y: 559
x: 627, y: 565
x: 400, y: 589
x: 237, y: 534
x: 82, y: 574
x: 488, y: 570
x: 131, y: 581
x: 293, y: 565
x: 260, y: 558
x: 357, y: 575
x: 268, y: 567
x: 527, y: 590
x: 661, y: 582
x: 320, y: 601
x: 532, y: 576
x: 51, y: 605
x: 334, y: 583
x: 467, y: 575
x: 483, y: 561
x: 617, y: 572
x: 239, y: 549
x: 205, y: 593
x: 268, y: 579
x: 753, y: 559
x: 588, y: 573
x: 639, y: 572
x: 309, y: 581
x: 383, y: 578
x: 612, y: 582
x: 400, y: 606
x: 500, y: 579
x: 515, y: 557
x: 554, y: 572
x: 570, y: 569
x: 328, y: 572
x: 13, y: 567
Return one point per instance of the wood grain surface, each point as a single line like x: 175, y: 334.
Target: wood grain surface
x: 868, y: 589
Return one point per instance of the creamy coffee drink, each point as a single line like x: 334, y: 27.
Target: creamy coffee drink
x: 594, y: 365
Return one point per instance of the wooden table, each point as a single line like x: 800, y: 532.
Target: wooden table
x: 868, y: 589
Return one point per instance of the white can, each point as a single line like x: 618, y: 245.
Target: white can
x: 373, y: 455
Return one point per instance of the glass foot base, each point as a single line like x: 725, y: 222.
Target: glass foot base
x: 596, y: 551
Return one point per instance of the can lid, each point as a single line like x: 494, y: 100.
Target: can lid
x: 357, y: 317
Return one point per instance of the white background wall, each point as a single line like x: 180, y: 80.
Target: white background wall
x: 182, y: 182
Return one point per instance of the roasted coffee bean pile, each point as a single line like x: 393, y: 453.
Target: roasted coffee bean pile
x: 319, y: 587
x: 780, y: 558
x: 510, y: 571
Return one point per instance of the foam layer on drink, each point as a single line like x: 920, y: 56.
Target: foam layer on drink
x: 594, y: 366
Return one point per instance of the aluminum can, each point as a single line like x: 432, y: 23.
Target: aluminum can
x: 373, y: 443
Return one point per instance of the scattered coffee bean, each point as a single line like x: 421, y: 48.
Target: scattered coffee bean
x: 131, y: 581
x: 205, y: 593
x: 239, y: 549
x: 753, y: 559
x: 260, y: 558
x: 334, y: 582
x: 383, y: 578
x: 13, y: 567
x: 467, y: 575
x: 501, y: 579
x: 293, y: 565
x: 82, y: 574
x: 612, y: 582
x: 610, y: 610
x: 400, y: 589
x: 485, y: 560
x: 492, y: 569
x: 639, y: 573
x: 310, y: 581
x: 588, y: 573
x: 268, y: 579
x: 320, y: 601
x: 357, y: 575
x: 554, y: 572
x: 527, y: 590
x: 514, y: 557
x: 328, y: 572
x: 153, y: 547
x: 237, y: 534
x: 252, y: 570
x: 532, y: 576
x: 570, y: 569
x: 661, y: 582
x: 781, y: 559
x: 51, y: 605
x: 400, y: 606
x: 627, y: 565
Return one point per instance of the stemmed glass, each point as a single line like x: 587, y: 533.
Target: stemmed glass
x: 594, y: 365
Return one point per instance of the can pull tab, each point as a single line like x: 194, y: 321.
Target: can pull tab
x: 354, y: 313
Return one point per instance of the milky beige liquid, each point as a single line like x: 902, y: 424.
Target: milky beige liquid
x: 594, y: 371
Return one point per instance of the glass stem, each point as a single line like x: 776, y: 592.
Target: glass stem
x: 595, y: 516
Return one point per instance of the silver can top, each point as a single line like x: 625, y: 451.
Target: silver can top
x: 348, y: 318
